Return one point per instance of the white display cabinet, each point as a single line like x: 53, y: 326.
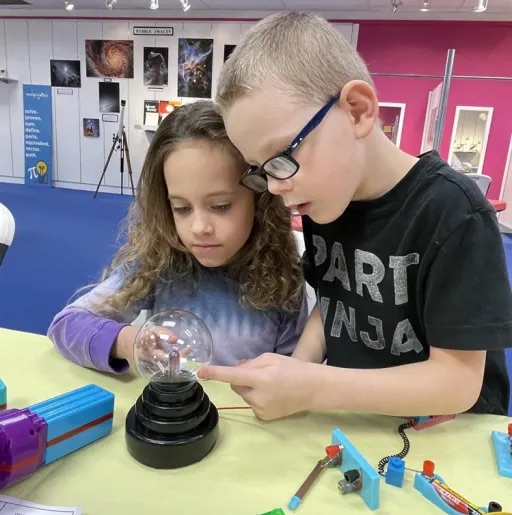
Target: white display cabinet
x: 469, y: 138
x: 391, y: 115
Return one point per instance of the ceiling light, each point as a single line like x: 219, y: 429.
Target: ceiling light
x: 153, y: 4
x: 185, y: 4
x: 425, y: 6
x: 480, y: 6
x: 69, y: 6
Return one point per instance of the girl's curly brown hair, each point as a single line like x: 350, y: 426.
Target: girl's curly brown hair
x: 267, y: 269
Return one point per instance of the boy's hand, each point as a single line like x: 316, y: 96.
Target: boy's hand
x: 273, y: 385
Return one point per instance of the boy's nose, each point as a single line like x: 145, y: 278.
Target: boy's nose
x: 278, y: 187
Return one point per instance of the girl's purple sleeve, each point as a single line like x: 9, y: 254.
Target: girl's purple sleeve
x: 84, y: 337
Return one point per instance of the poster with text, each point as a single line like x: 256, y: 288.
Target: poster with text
x: 37, y: 117
x: 156, y: 66
x: 195, y: 59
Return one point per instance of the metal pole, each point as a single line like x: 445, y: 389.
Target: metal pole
x: 443, y: 102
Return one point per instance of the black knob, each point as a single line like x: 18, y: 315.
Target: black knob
x: 351, y: 476
x: 494, y: 507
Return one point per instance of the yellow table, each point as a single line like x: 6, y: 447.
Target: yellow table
x: 255, y: 467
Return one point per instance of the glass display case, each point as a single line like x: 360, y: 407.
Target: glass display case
x: 469, y: 138
x: 392, y: 118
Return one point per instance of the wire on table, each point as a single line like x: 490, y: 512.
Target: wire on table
x: 234, y: 407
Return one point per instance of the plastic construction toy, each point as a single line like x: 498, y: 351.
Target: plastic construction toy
x: 396, y: 471
x: 3, y: 396
x: 420, y: 423
x: 331, y: 460
x: 173, y: 423
x: 502, y: 443
x: 277, y: 511
x: 45, y: 432
x: 358, y: 475
x: 433, y: 488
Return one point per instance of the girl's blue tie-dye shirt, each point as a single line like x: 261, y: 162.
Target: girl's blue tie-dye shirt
x: 84, y: 337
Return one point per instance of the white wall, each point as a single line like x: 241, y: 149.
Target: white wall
x: 26, y: 47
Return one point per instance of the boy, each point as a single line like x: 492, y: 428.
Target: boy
x: 414, y: 304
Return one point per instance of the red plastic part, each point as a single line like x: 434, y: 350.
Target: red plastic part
x: 428, y: 468
x: 332, y: 450
x: 433, y: 421
x: 510, y: 430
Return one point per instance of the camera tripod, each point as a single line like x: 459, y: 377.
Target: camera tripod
x: 121, y: 144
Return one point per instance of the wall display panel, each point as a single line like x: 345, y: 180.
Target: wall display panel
x: 28, y: 48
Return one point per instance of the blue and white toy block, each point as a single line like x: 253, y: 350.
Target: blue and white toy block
x: 3, y: 396
x: 352, y: 459
x: 52, y: 429
x: 395, y: 472
x: 501, y: 443
x: 75, y: 419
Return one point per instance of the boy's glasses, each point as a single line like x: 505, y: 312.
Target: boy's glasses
x: 282, y: 165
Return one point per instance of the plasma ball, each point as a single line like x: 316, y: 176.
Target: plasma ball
x: 174, y: 363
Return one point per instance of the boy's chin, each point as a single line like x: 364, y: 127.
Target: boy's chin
x: 325, y: 216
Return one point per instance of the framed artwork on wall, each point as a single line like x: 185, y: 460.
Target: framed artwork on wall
x: 469, y: 138
x: 429, y: 129
x: 391, y: 116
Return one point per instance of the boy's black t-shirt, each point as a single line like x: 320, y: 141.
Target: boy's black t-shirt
x: 422, y: 266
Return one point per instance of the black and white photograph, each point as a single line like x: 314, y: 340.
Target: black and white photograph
x: 109, y: 97
x: 156, y: 66
x: 65, y: 74
x: 228, y: 49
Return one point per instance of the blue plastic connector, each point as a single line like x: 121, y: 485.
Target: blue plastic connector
x: 294, y: 503
x: 353, y: 460
x: 3, y: 396
x: 395, y: 472
x: 502, y: 452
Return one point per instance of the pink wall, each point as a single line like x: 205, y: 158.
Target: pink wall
x: 420, y: 48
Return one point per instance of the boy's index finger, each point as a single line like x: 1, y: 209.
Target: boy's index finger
x: 238, y: 376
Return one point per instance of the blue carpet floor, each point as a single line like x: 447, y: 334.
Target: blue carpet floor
x: 63, y: 240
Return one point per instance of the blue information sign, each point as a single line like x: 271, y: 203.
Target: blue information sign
x: 37, y: 115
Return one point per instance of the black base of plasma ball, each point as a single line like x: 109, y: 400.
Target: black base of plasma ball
x: 171, y: 425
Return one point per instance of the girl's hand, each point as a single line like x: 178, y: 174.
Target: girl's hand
x: 152, y: 346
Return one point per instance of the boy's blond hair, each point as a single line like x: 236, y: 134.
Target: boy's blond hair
x: 301, y: 53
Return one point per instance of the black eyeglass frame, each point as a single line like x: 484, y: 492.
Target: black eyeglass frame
x: 259, y: 171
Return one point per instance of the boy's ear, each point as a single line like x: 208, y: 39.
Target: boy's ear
x: 359, y: 101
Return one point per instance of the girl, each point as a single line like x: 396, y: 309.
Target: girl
x: 197, y: 241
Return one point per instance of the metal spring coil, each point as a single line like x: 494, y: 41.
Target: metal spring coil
x: 403, y: 453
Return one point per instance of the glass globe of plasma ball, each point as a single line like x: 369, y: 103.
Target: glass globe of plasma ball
x: 173, y: 423
x: 171, y: 347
